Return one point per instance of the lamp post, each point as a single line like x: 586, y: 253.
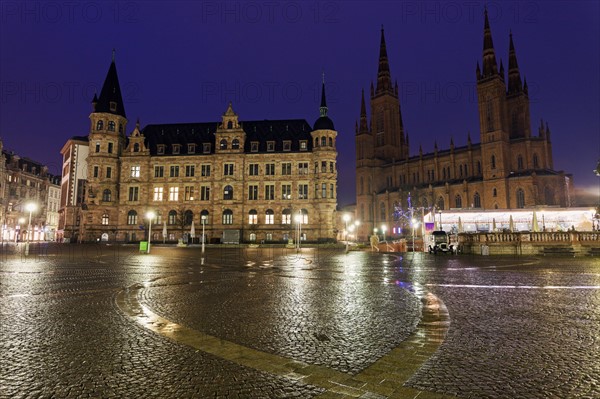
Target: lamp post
x: 203, y: 221
x: 18, y: 227
x: 298, y: 219
x: 150, y: 216
x: 414, y: 223
x: 29, y: 207
x: 346, y: 220
x: 440, y: 213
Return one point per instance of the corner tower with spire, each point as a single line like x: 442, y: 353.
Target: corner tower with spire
x: 108, y: 122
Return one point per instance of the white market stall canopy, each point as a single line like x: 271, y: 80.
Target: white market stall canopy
x: 533, y: 219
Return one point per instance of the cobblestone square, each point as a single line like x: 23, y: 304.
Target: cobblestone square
x: 106, y: 321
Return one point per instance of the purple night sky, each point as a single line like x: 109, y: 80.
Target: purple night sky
x: 183, y: 61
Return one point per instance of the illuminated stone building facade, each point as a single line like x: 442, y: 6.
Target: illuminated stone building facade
x: 23, y: 181
x: 256, y: 180
x: 509, y: 168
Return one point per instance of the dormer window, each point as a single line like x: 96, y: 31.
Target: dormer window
x: 254, y: 146
x: 191, y: 148
x: 223, y: 144
x: 111, y: 126
x: 99, y: 125
x: 113, y: 106
x: 160, y: 149
x: 229, y: 125
x: 176, y: 148
x: 270, y: 146
x: 287, y: 146
x: 206, y: 148
x: 303, y: 145
x: 235, y: 144
x: 136, y: 147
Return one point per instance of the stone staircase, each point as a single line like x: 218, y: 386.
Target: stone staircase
x: 562, y: 250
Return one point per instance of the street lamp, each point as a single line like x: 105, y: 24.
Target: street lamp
x: 29, y: 207
x: 203, y: 221
x: 346, y: 220
x: 298, y: 220
x: 150, y: 215
x: 415, y: 223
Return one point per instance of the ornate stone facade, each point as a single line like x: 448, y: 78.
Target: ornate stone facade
x: 508, y: 168
x: 260, y: 180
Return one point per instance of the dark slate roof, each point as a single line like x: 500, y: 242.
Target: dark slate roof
x: 278, y: 131
x: 324, y: 122
x: 80, y: 138
x: 111, y: 92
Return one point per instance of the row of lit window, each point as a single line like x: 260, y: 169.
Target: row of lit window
x: 228, y: 193
x: 187, y: 217
x: 224, y: 145
x: 110, y: 126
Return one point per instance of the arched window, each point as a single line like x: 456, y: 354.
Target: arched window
x: 493, y: 162
x: 99, y: 125
x: 519, y: 162
x: 549, y: 196
x: 286, y: 216
x: 106, y: 195
x: 223, y: 144
x: 304, y: 216
x: 172, y: 218
x: 494, y: 192
x: 460, y: 171
x: 204, y: 217
x: 515, y: 122
x: 228, y: 192
x: 136, y: 147
x: 132, y: 217
x: 458, y: 201
x: 440, y: 203
x: 252, y: 237
x: 269, y: 217
x: 229, y: 125
x: 331, y: 142
x: 227, y: 216
x: 252, y: 216
x: 323, y: 141
x: 362, y: 185
x: 536, y: 163
x: 476, y: 201
x: 316, y: 141
x: 105, y: 219
x: 235, y: 144
x: 520, y: 198
x: 478, y: 168
x: 382, y: 213
x: 188, y: 217
x: 111, y: 126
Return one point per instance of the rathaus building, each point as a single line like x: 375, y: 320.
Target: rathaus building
x: 267, y: 180
x: 510, y: 167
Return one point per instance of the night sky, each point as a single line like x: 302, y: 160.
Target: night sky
x: 184, y: 61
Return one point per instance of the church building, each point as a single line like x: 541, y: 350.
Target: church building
x: 509, y: 168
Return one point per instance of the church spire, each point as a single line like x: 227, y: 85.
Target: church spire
x: 514, y: 77
x: 384, y: 79
x: 490, y: 66
x: 364, y: 125
x: 323, y: 107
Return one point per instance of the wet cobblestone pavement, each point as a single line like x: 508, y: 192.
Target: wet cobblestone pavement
x: 519, y: 327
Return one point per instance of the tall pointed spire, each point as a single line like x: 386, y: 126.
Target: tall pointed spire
x: 384, y: 79
x: 364, y: 125
x: 110, y: 99
x: 323, y: 107
x: 514, y: 77
x: 490, y: 66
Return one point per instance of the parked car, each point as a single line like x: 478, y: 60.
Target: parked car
x: 440, y: 242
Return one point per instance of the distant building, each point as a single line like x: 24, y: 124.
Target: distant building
x: 266, y: 180
x: 23, y: 181
x: 72, y: 187
x: 509, y: 168
x: 52, y: 208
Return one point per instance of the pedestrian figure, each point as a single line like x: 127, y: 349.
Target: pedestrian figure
x: 375, y: 242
